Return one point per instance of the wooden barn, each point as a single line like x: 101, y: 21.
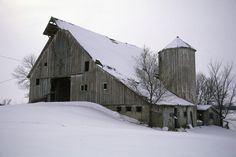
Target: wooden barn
x: 79, y: 65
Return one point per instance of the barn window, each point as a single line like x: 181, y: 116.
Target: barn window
x: 211, y: 115
x: 118, y: 108
x: 128, y: 108
x: 86, y: 66
x: 185, y: 114
x: 105, y: 86
x: 37, y: 81
x: 139, y: 108
x: 82, y: 87
x: 85, y: 87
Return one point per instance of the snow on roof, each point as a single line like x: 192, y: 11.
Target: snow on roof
x: 117, y: 58
x: 203, y: 107
x: 114, y: 54
x: 177, y: 42
x: 171, y: 99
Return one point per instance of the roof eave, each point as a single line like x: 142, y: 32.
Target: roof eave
x: 179, y: 47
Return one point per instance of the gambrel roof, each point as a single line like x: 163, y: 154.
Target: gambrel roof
x: 115, y: 57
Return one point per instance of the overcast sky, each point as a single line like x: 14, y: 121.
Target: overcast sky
x: 207, y: 25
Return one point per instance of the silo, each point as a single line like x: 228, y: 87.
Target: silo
x: 177, y: 69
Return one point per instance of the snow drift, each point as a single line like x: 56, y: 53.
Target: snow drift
x: 86, y: 129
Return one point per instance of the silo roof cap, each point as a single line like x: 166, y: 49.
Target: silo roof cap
x: 177, y: 43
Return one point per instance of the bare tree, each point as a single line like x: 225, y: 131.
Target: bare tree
x: 22, y: 70
x: 147, y: 82
x: 204, y: 90
x: 224, y: 88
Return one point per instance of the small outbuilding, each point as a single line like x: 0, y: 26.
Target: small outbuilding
x: 174, y: 112
x: 208, y: 115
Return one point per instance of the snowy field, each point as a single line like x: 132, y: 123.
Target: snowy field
x: 231, y: 118
x: 82, y: 129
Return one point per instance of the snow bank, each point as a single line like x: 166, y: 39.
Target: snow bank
x: 87, y: 129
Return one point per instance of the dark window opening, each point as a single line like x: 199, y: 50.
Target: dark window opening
x: 128, y: 108
x: 211, y: 115
x: 185, y: 114
x: 45, y: 64
x: 37, y: 81
x: 60, y: 89
x: 85, y: 87
x: 139, y: 108
x: 105, y: 86
x: 82, y: 87
x: 175, y: 112
x: 86, y: 66
x: 118, y: 108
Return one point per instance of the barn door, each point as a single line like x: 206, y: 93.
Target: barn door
x: 176, y: 117
x: 60, y: 89
x: 191, y: 116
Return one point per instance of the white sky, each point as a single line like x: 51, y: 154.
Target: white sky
x: 207, y: 25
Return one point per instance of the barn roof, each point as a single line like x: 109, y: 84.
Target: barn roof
x: 115, y: 55
x: 171, y: 99
x: 177, y: 43
x: 117, y: 58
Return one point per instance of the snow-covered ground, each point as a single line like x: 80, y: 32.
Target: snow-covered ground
x: 89, y: 130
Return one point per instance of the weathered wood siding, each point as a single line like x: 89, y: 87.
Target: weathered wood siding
x: 209, y: 117
x: 164, y: 116
x: 177, y: 71
x: 64, y: 57
x: 119, y: 95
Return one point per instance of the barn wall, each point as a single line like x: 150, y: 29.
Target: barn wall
x: 39, y: 92
x: 115, y: 96
x: 164, y: 116
x: 208, y: 119
x: 63, y: 57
